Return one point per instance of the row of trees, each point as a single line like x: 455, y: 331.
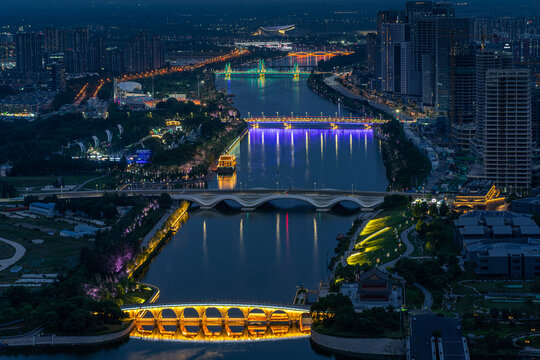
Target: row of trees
x: 406, y: 165
x: 334, y: 314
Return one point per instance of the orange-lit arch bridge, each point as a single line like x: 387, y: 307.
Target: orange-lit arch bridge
x: 211, y: 321
x: 320, y: 53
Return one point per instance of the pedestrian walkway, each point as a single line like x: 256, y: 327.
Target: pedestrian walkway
x: 407, y: 253
x: 19, y: 253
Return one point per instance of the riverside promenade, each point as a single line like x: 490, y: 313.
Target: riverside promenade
x: 34, y: 339
x: 365, y: 348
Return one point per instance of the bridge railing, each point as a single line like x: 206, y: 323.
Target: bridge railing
x: 231, y: 303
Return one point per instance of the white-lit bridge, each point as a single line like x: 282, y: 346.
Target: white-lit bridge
x: 250, y: 199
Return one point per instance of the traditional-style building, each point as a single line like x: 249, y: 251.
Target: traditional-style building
x: 374, y: 286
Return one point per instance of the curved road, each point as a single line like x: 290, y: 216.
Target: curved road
x: 19, y: 253
x: 428, y: 299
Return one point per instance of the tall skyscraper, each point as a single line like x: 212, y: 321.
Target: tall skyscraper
x: 422, y: 17
x: 462, y: 91
x: 158, y: 53
x: 7, y: 51
x: 395, y: 58
x: 29, y: 52
x: 371, y: 51
x: 57, y: 76
x: 507, y: 128
x: 452, y: 41
x: 138, y: 53
x: 384, y: 17
x: 96, y: 56
x: 52, y: 40
x: 485, y: 59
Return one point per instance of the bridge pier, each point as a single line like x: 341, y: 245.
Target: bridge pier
x: 322, y: 209
x: 248, y: 209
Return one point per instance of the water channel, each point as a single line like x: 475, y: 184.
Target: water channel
x: 263, y: 255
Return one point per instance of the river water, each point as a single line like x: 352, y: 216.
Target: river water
x: 263, y: 255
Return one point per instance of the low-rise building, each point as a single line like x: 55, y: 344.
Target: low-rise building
x: 500, y: 244
x: 529, y: 205
x: 373, y: 289
x: 44, y: 209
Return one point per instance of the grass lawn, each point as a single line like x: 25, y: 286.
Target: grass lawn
x: 502, y: 286
x: 6, y: 250
x: 377, y: 242
x: 56, y: 255
x: 101, y: 183
x: 22, y: 182
x: 414, y: 297
x: 532, y: 341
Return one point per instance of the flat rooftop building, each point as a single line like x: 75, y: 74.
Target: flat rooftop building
x: 500, y: 244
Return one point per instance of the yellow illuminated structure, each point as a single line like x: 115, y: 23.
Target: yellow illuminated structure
x: 218, y: 322
x: 479, y: 195
x: 227, y: 182
x: 226, y: 164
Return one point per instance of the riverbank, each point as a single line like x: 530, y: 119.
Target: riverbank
x: 406, y: 166
x: 34, y: 339
x: 365, y: 348
x: 158, y: 236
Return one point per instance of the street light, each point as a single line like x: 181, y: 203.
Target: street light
x: 315, y: 185
x: 277, y: 186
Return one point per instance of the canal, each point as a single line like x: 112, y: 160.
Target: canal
x: 263, y: 255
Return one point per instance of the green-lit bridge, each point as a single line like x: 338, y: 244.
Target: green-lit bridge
x: 262, y: 71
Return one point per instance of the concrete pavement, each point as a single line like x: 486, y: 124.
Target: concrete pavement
x: 19, y: 253
x: 408, y: 251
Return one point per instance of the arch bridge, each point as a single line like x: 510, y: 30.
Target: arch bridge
x: 249, y: 200
x: 218, y: 321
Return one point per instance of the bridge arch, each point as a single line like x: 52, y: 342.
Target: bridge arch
x: 146, y: 322
x: 212, y: 321
x: 320, y: 202
x: 234, y: 321
x: 190, y: 322
x: 257, y: 322
x: 279, y: 322
x: 167, y: 321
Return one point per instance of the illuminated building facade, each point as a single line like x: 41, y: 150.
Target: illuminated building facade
x: 479, y: 195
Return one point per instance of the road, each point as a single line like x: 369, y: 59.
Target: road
x: 331, y: 81
x: 19, y: 253
x: 448, y: 341
x: 428, y: 299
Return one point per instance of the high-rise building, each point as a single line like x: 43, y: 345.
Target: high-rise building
x: 29, y: 52
x: 507, y: 134
x: 452, y: 41
x: 371, y: 51
x: 422, y: 17
x: 395, y: 58
x: 57, y: 76
x: 158, y: 53
x: 51, y: 42
x: 485, y: 59
x: 114, y: 61
x: 462, y: 90
x: 7, y: 51
x: 138, y: 53
x: 535, y: 114
x: 96, y: 56
x: 384, y: 17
